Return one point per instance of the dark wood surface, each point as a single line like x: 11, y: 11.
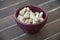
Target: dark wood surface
x: 9, y: 29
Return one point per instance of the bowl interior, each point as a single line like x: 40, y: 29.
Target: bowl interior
x: 34, y: 9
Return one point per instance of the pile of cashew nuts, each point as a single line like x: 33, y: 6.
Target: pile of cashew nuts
x: 27, y: 16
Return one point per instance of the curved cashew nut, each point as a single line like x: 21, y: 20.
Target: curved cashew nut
x: 27, y: 15
x: 21, y: 18
x: 22, y: 12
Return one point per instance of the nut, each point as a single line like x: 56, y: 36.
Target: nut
x: 28, y: 21
x: 28, y: 9
x: 37, y: 14
x: 21, y: 18
x: 41, y: 15
x: 32, y: 15
x: 27, y: 15
x: 22, y: 12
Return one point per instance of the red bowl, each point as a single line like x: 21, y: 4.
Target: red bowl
x: 31, y: 28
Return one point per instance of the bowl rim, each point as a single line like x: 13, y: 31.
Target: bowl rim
x: 30, y: 24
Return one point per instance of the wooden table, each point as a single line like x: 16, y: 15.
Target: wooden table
x: 9, y: 30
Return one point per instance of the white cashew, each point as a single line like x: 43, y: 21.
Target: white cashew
x: 41, y: 19
x: 22, y: 12
x: 27, y: 15
x: 28, y: 9
x: 32, y: 15
x: 41, y: 15
x: 21, y: 18
x: 37, y: 14
x: 28, y: 21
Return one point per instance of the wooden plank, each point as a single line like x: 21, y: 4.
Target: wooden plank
x: 9, y: 10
